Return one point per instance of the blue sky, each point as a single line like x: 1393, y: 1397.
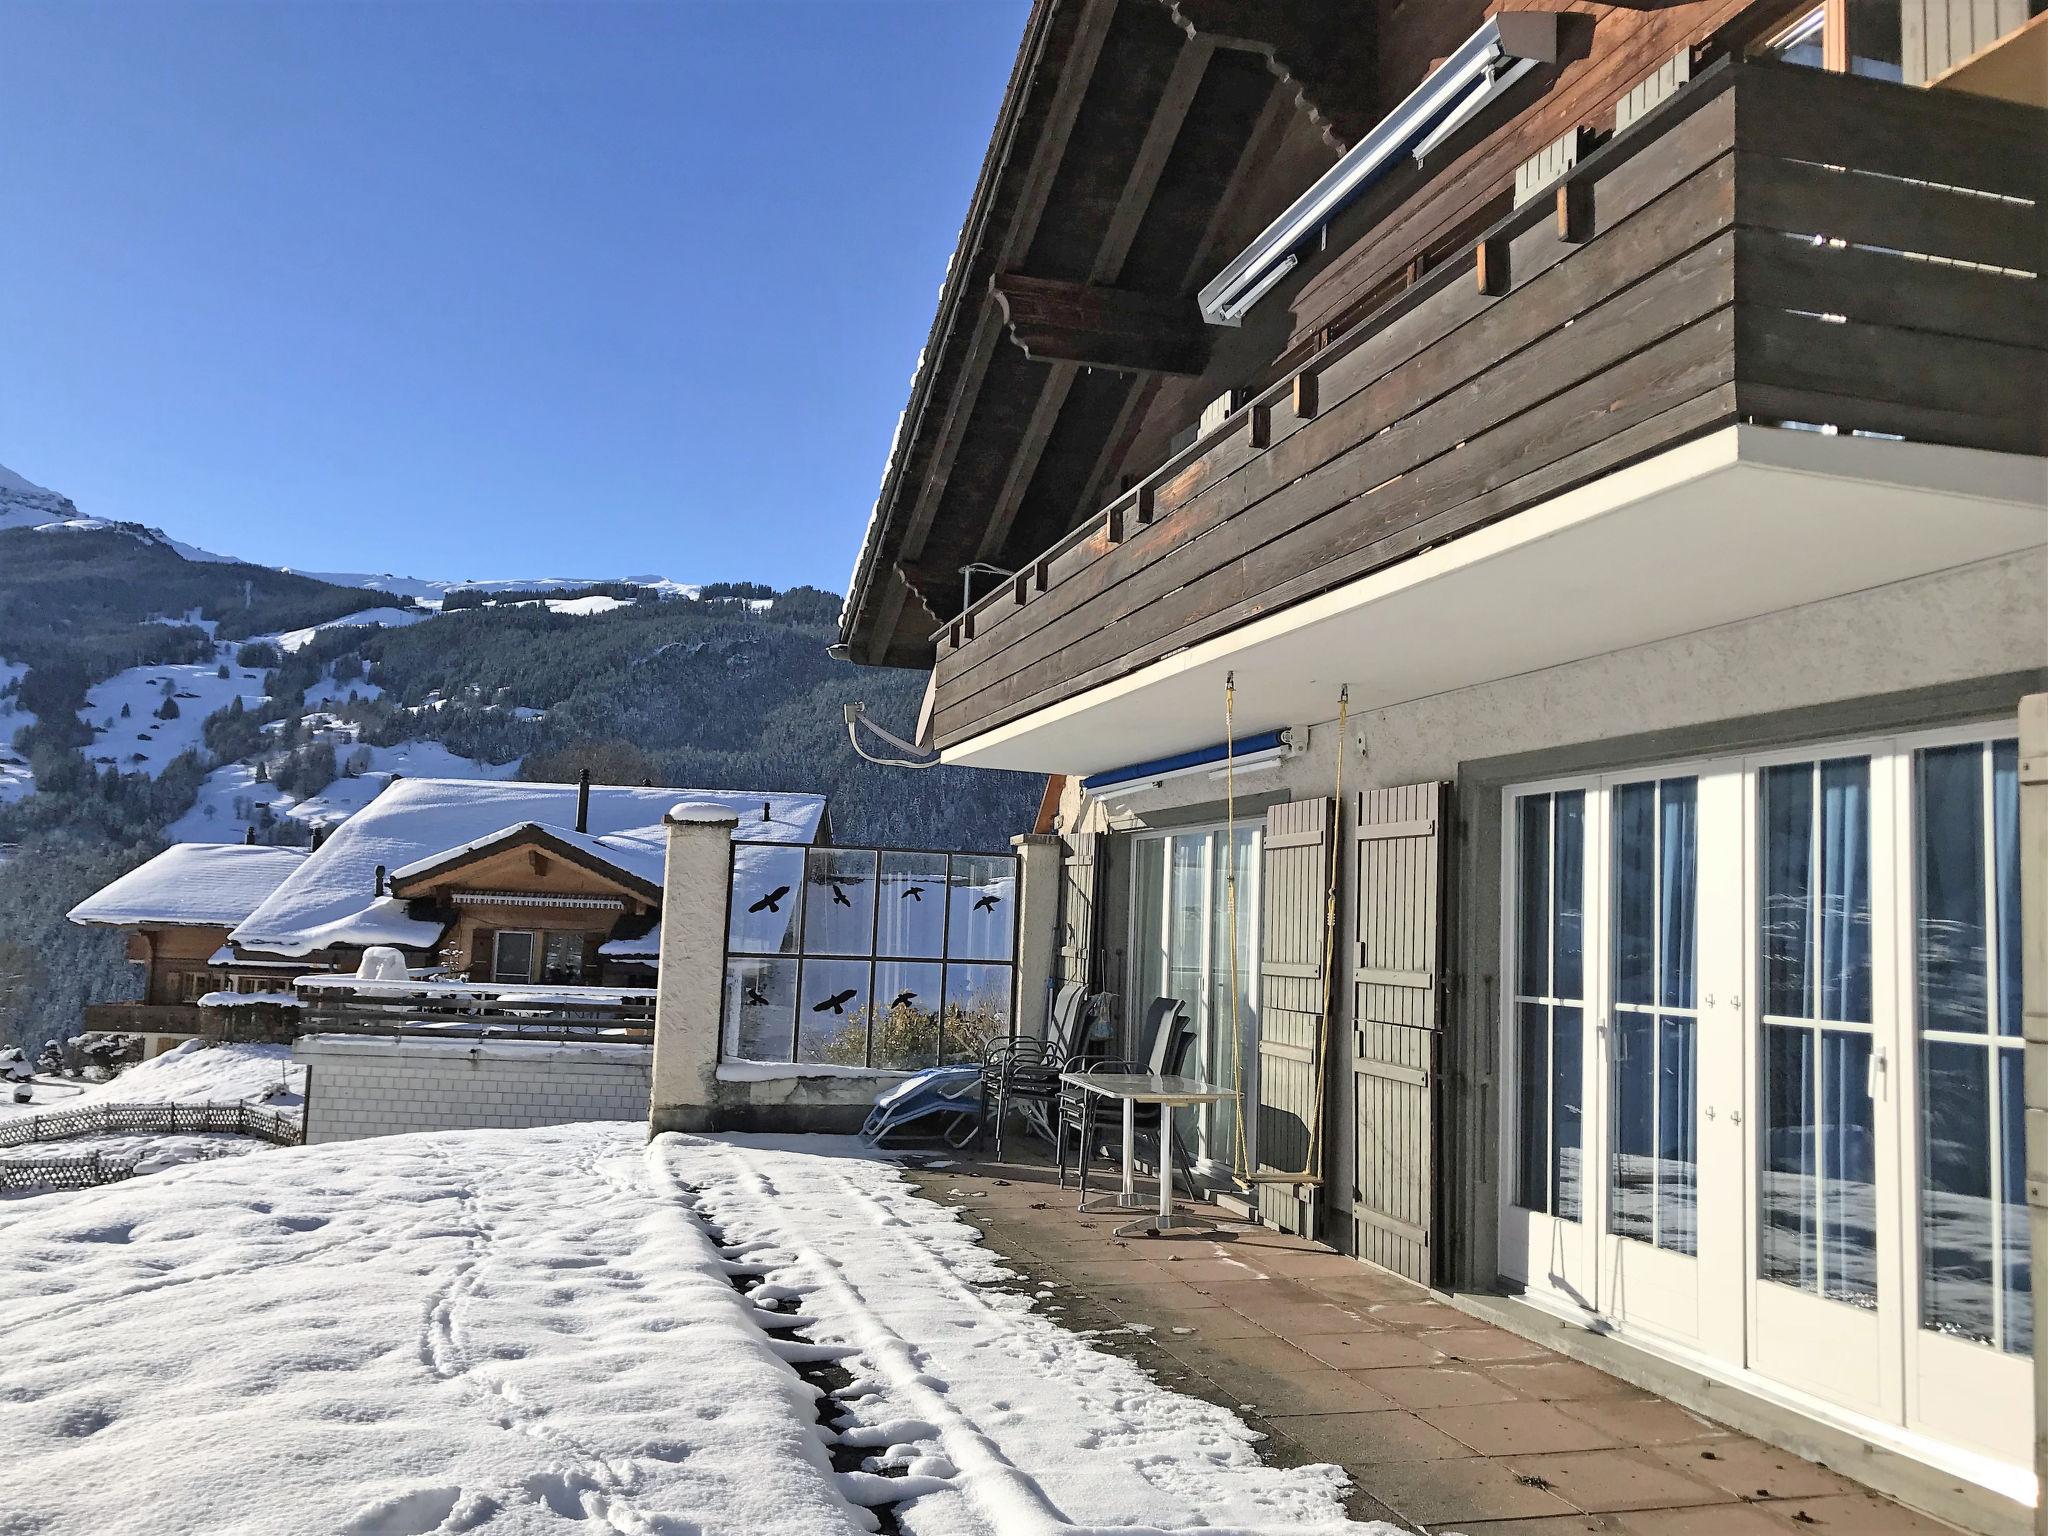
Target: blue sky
x: 478, y: 290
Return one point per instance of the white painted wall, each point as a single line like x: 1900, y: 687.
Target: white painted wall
x: 368, y: 1086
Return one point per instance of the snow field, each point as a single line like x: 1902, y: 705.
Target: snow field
x: 192, y: 1073
x: 199, y: 690
x: 388, y: 618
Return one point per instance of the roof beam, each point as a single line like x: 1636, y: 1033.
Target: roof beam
x: 1322, y: 52
x: 1099, y: 327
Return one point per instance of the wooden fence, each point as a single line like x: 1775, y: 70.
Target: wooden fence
x: 269, y: 1125
x: 65, y: 1172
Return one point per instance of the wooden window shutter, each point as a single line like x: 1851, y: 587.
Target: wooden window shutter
x: 1294, y: 994
x: 1077, y: 909
x: 482, y: 953
x: 1401, y: 845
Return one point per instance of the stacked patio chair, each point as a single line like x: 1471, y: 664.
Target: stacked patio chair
x: 1167, y: 1041
x: 1025, y: 1072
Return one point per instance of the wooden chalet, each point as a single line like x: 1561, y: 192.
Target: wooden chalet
x: 1524, y: 524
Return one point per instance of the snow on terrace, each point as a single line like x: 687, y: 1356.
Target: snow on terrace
x: 140, y: 742
x: 332, y: 898
x: 532, y: 1331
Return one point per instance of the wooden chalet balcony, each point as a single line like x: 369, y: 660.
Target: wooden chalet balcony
x: 1773, y: 245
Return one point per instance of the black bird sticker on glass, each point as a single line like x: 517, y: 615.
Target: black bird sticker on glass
x: 986, y: 903
x: 912, y: 893
x: 836, y: 1003
x: 755, y: 997
x: 839, y: 897
x: 903, y: 1000
x: 772, y: 902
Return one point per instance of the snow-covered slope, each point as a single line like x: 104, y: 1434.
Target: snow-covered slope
x: 388, y: 618
x: 232, y: 799
x: 434, y: 590
x: 140, y: 742
x: 24, y: 504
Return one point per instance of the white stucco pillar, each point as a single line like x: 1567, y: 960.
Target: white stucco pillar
x: 1038, y: 920
x: 691, y: 982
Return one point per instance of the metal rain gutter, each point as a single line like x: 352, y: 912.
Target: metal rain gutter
x: 1485, y: 65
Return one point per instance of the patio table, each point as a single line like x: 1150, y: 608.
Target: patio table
x: 1133, y: 1089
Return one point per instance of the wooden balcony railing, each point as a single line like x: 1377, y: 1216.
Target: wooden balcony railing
x: 1773, y: 245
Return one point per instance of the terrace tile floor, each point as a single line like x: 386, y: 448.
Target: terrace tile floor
x: 1445, y: 1424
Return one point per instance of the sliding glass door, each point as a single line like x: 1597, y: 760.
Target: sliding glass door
x: 1182, y: 926
x: 1761, y: 1033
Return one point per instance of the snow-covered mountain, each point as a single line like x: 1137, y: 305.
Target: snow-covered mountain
x: 24, y: 504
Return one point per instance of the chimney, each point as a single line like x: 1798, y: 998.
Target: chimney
x: 379, y: 888
x: 583, y: 801
x: 249, y: 837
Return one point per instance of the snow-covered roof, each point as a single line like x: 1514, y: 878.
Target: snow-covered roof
x: 213, y: 885
x: 330, y: 899
x: 640, y: 852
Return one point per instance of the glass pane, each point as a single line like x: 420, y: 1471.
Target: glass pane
x: 760, y: 1009
x: 1789, y: 1203
x: 839, y: 901
x: 1875, y: 45
x: 766, y: 914
x: 2015, y: 1256
x: 2005, y: 859
x: 1567, y: 1097
x: 1532, y: 1118
x: 1635, y: 893
x: 1957, y: 1253
x: 562, y: 958
x: 1787, y: 889
x: 1219, y: 1058
x: 514, y: 959
x: 1568, y: 894
x: 1848, y: 1148
x: 911, y: 922
x: 977, y: 1010
x: 832, y: 1024
x: 1533, y: 869
x: 1677, y: 888
x: 1631, y: 1203
x: 1948, y: 855
x: 1845, y: 890
x: 1677, y: 1149
x: 984, y: 903
x: 907, y: 997
x: 1800, y: 43
x: 1148, y: 929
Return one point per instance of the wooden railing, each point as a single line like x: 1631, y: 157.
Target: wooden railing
x: 475, y: 1010
x: 1773, y: 245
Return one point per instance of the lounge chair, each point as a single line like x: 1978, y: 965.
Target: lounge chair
x: 940, y: 1101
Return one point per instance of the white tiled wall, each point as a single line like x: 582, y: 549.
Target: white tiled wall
x: 362, y: 1087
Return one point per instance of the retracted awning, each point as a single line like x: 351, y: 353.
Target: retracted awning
x: 1485, y: 65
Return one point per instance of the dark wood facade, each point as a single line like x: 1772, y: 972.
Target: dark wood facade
x: 1442, y: 358
x: 1684, y: 277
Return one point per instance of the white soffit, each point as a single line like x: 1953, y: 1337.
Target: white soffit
x: 1745, y: 522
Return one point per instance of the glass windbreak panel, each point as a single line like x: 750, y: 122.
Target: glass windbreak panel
x: 907, y: 997
x: 1975, y: 1269
x: 513, y: 957
x: 760, y: 1008
x: 1818, y: 1200
x: 983, y: 894
x: 839, y: 901
x: 1226, y: 1050
x: 832, y: 1019
x: 1652, y: 1169
x: 767, y: 900
x: 977, y: 1010
x: 1549, y: 1006
x: 1148, y: 921
x: 911, y: 893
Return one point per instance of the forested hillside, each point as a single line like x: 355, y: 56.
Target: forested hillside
x: 729, y: 689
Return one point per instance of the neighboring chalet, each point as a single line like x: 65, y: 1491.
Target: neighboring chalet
x: 178, y: 910
x: 491, y: 881
x: 1572, y: 484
